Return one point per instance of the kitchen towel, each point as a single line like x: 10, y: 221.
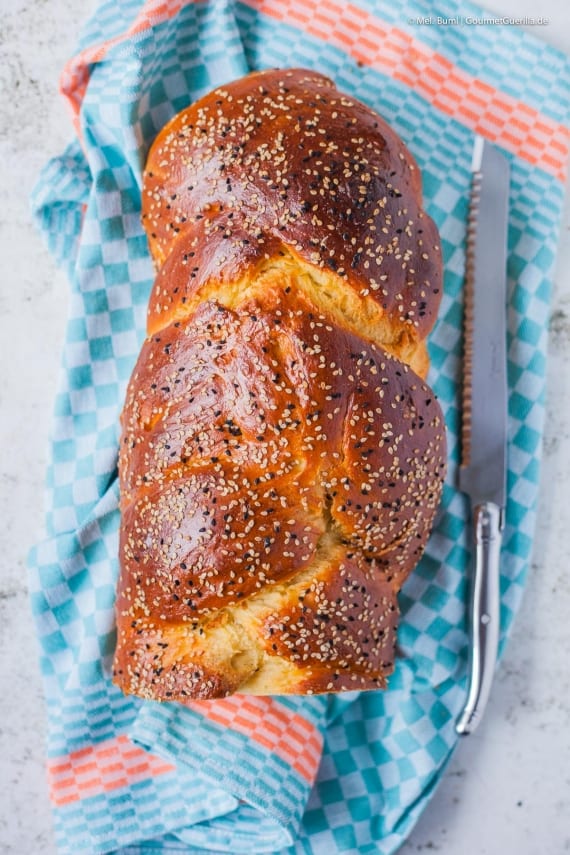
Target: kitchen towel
x: 284, y: 775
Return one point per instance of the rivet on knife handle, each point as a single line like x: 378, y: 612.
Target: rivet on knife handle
x: 483, y: 468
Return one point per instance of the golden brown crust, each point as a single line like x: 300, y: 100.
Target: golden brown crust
x: 283, y: 159
x: 281, y: 463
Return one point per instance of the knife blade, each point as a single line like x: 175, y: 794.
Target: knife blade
x: 483, y: 470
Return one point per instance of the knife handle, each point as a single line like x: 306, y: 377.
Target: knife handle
x: 484, y: 613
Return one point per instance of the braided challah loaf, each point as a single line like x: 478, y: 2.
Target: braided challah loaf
x: 281, y: 458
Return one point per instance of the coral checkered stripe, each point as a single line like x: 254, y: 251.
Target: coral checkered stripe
x: 116, y: 763
x: 75, y: 75
x: 495, y: 115
x: 109, y: 765
x: 271, y: 725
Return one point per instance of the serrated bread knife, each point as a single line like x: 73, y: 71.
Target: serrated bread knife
x: 483, y: 470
